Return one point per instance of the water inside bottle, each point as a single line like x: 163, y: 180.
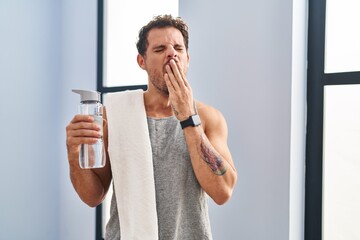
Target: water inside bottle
x: 93, y: 156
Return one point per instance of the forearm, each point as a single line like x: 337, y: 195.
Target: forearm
x: 213, y: 171
x: 87, y: 184
x: 90, y: 184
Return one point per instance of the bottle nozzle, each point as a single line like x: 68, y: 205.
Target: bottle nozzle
x: 88, y: 95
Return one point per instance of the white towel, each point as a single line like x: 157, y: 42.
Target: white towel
x: 131, y: 164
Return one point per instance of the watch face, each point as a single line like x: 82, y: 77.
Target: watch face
x: 196, y: 120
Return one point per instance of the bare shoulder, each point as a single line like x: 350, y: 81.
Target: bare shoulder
x: 211, y: 118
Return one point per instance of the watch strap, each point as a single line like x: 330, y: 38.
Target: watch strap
x: 193, y: 121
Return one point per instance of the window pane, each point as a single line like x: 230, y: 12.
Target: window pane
x: 123, y: 20
x: 342, y: 48
x: 341, y: 163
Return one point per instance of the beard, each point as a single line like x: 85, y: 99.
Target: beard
x: 157, y: 79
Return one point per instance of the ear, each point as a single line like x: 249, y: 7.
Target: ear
x: 141, y: 61
x: 188, y: 58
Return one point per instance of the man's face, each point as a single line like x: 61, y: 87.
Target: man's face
x: 164, y: 44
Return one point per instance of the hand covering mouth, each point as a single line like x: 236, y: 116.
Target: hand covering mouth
x: 168, y: 63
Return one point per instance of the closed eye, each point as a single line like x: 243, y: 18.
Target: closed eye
x: 159, y: 49
x: 179, y: 47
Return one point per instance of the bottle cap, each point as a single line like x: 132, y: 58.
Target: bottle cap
x: 88, y: 95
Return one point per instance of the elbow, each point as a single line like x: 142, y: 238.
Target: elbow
x: 92, y: 202
x: 223, y: 197
x: 224, y: 194
x: 93, y: 205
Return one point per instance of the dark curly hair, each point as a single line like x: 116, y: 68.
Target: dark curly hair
x: 161, y: 21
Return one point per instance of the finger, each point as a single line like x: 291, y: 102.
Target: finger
x: 73, y: 143
x: 83, y: 125
x: 176, y: 72
x: 176, y: 69
x: 82, y: 136
x: 179, y: 73
x: 182, y: 74
x: 82, y: 133
x: 82, y: 118
x: 76, y: 141
x: 172, y: 77
x: 85, y: 133
x: 168, y: 83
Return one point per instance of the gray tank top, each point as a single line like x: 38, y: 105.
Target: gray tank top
x: 181, y: 203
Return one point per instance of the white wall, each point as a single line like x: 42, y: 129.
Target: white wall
x: 79, y: 44
x: 47, y: 48
x: 241, y: 62
x: 29, y: 139
x: 298, y: 120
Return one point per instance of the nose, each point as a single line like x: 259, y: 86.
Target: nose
x: 172, y: 53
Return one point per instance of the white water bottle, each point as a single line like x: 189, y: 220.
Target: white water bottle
x: 91, y: 156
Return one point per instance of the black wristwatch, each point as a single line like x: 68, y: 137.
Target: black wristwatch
x: 193, y: 121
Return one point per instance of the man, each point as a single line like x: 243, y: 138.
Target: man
x: 196, y: 130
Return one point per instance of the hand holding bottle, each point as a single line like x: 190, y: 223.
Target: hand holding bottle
x: 86, y: 131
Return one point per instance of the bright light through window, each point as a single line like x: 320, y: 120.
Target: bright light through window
x: 122, y: 22
x: 342, y: 51
x: 341, y: 165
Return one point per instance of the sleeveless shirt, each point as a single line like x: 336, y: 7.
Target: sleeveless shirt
x: 181, y: 203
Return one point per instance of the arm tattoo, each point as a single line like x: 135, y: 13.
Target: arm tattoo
x: 175, y: 111
x: 212, y: 159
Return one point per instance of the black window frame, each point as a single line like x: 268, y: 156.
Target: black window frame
x: 100, y: 57
x: 103, y: 90
x: 317, y: 79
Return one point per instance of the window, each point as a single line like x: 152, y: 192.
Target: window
x: 341, y: 164
x: 121, y: 25
x: 117, y: 70
x: 332, y: 135
x: 342, y: 49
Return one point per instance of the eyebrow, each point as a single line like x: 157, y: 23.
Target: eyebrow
x: 157, y: 47
x: 162, y: 46
x: 179, y: 45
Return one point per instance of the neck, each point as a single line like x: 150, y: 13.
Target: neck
x: 157, y: 105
